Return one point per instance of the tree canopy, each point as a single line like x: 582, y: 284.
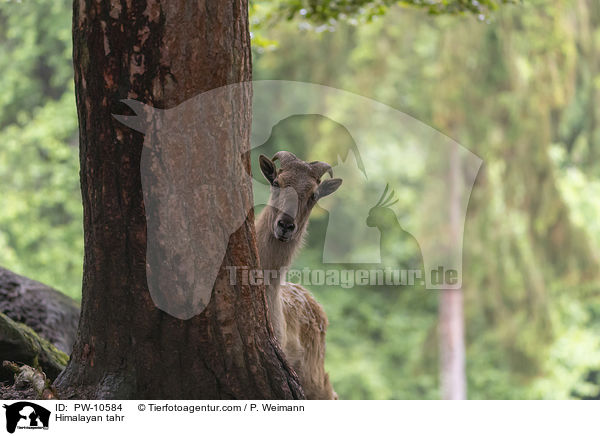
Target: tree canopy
x: 325, y: 10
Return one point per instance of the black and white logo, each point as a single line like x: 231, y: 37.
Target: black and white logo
x: 26, y: 415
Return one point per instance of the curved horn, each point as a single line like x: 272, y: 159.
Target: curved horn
x: 284, y: 157
x: 320, y: 168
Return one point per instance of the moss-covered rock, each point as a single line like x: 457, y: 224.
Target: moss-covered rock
x: 49, y: 313
x: 19, y: 343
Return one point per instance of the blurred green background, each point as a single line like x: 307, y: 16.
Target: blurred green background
x: 518, y: 87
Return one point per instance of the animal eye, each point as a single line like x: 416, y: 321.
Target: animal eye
x: 275, y: 184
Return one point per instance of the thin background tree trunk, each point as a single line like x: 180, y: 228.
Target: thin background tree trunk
x: 451, y: 322
x: 160, y: 53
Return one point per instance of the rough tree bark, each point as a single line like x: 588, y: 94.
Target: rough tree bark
x: 160, y: 53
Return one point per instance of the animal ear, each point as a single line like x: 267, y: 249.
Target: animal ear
x: 268, y: 168
x: 327, y: 187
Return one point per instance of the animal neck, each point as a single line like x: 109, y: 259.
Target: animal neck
x: 275, y: 259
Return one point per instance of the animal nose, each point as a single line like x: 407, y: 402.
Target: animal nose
x: 286, y: 225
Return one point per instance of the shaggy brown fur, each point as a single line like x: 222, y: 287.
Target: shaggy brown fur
x: 304, y: 340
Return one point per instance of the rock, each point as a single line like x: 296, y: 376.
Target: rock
x: 52, y: 315
x: 19, y: 343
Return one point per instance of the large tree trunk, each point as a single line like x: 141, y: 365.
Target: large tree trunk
x: 160, y: 53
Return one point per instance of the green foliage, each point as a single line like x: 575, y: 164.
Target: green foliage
x: 323, y: 11
x: 516, y: 91
x: 40, y: 206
